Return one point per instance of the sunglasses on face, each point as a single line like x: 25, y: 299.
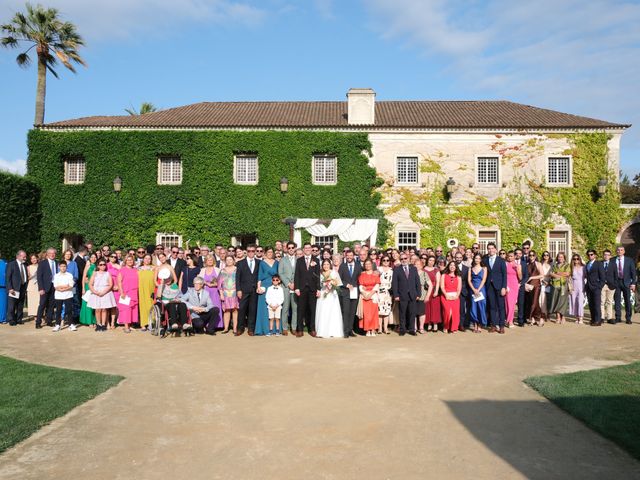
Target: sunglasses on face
x: 112, y: 256
x: 259, y: 251
x: 102, y: 264
x: 250, y: 250
x: 531, y: 255
x: 385, y: 259
x: 141, y: 251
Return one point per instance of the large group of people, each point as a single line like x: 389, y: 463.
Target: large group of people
x: 287, y: 290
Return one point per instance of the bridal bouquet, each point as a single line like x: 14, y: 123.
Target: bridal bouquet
x: 328, y: 285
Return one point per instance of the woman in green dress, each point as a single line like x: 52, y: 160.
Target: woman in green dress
x: 87, y: 315
x: 559, y: 303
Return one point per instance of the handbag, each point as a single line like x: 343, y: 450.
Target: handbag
x: 528, y: 287
x: 359, y: 312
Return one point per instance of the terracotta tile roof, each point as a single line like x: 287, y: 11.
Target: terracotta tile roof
x: 388, y: 114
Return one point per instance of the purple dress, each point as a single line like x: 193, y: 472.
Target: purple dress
x: 214, y: 293
x: 576, y: 296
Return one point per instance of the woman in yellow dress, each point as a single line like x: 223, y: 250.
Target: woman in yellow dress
x: 146, y: 286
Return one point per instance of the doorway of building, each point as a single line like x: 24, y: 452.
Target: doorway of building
x: 244, y: 239
x: 72, y: 240
x: 630, y: 240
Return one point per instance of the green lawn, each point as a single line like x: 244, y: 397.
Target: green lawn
x: 607, y: 400
x: 33, y: 395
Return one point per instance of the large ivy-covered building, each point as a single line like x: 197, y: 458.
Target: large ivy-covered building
x: 436, y: 171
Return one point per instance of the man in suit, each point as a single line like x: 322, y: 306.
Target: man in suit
x: 495, y: 287
x: 625, y: 283
x: 218, y: 257
x: 465, y: 298
x: 521, y: 256
x: 287, y: 270
x: 609, y: 287
x: 349, y: 272
x: 405, y: 285
x: 202, y: 258
x: 246, y: 285
x: 16, y: 283
x: 202, y: 309
x: 178, y: 264
x: 306, y: 282
x: 594, y: 273
x: 47, y: 269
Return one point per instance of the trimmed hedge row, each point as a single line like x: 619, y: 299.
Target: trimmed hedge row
x: 208, y: 206
x: 19, y: 215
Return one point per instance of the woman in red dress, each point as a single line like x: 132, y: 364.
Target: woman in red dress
x: 451, y: 284
x: 369, y: 282
x: 433, y: 307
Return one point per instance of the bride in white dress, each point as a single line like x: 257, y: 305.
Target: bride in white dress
x: 328, y: 312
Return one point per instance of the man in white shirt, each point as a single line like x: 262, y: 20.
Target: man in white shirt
x: 63, y: 284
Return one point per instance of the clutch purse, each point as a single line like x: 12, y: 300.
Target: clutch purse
x: 528, y: 287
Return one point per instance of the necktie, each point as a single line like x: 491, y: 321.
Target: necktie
x: 351, y: 269
x: 491, y: 260
x: 619, y: 267
x: 198, y: 297
x: 606, y: 266
x: 307, y: 260
x: 251, y: 265
x: 23, y: 273
x: 406, y: 271
x: 53, y: 268
x: 589, y: 265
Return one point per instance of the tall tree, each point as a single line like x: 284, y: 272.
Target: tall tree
x: 145, y: 107
x: 54, y: 40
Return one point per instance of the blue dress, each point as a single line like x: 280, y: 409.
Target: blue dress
x: 265, y: 272
x: 478, y: 309
x: 3, y: 292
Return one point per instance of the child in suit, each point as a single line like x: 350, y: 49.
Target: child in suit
x: 275, y: 299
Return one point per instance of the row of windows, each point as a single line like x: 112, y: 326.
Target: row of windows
x: 557, y: 241
x: 324, y: 169
x: 487, y: 170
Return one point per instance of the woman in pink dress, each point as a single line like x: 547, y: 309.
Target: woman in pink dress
x: 228, y: 294
x: 433, y: 307
x: 514, y: 275
x: 113, y: 267
x: 128, y: 288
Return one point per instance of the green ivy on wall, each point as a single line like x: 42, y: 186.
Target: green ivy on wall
x: 527, y: 208
x: 19, y: 215
x: 208, y: 206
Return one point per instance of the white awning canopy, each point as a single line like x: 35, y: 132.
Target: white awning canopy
x: 347, y: 229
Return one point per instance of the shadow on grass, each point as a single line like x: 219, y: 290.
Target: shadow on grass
x: 31, y: 396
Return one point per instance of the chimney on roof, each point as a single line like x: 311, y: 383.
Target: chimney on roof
x: 362, y: 105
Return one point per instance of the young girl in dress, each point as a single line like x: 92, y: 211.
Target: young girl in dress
x: 102, y: 299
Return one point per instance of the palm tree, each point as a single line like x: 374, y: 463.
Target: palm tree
x: 53, y: 40
x: 145, y: 107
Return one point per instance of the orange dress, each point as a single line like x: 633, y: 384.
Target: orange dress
x: 370, y: 318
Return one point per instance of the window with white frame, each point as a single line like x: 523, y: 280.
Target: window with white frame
x: 406, y: 239
x: 487, y: 171
x: 325, y: 170
x: 558, y: 242
x: 559, y: 171
x: 168, y: 239
x: 407, y: 170
x: 75, y: 169
x: 326, y: 240
x: 245, y: 169
x: 169, y: 170
x: 485, y: 237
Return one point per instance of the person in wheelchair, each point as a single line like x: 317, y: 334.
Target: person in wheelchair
x: 176, y: 309
x: 201, y: 308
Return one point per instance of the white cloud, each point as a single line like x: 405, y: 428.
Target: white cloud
x: 580, y: 57
x: 99, y: 20
x: 14, y: 166
x: 325, y: 8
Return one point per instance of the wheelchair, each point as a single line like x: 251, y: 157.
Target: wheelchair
x: 159, y: 322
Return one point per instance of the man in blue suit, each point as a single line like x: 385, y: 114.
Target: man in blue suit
x: 595, y: 275
x: 521, y: 256
x: 405, y: 285
x: 496, y: 288
x: 47, y: 269
x: 625, y: 282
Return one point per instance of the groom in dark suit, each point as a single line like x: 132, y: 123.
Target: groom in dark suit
x: 306, y: 283
x: 349, y: 272
x: 625, y: 284
x: 595, y: 280
x: 47, y: 268
x: 246, y: 285
x: 496, y: 287
x: 405, y: 285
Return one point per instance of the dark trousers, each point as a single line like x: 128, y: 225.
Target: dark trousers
x: 177, y: 313
x: 495, y: 304
x: 465, y: 308
x: 521, y: 305
x: 45, y: 307
x: 205, y: 322
x: 247, y: 311
x: 307, y: 310
x: 15, y: 306
x: 349, y: 307
x: 68, y: 311
x: 407, y: 320
x: 624, y: 292
x: 594, y: 297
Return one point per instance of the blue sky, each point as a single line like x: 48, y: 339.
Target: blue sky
x: 573, y: 56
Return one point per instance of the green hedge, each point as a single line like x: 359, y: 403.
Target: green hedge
x: 208, y: 206
x: 19, y: 215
